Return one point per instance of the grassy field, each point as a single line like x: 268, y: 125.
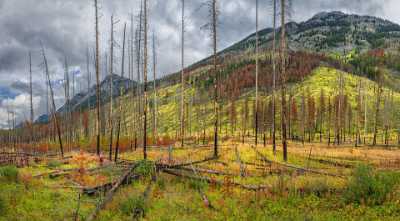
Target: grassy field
x: 317, y: 183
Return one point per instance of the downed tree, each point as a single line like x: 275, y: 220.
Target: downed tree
x: 209, y: 180
x: 111, y: 193
x: 137, y: 212
x: 298, y: 168
x: 161, y: 166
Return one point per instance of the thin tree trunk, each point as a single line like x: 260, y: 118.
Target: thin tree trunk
x: 110, y: 116
x: 121, y: 92
x: 256, y: 102
x: 145, y: 83
x: 53, y: 103
x: 283, y: 78
x: 216, y: 109
x: 274, y: 79
x: 182, y: 112
x: 155, y: 91
x: 98, y: 93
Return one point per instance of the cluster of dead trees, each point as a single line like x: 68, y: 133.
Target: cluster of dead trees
x: 274, y: 114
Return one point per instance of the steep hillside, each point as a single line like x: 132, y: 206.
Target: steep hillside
x: 330, y: 32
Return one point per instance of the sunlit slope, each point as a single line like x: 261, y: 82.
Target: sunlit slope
x: 199, y: 112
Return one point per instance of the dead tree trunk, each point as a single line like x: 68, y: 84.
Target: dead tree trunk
x: 53, y: 103
x: 110, y: 116
x: 98, y: 92
x: 274, y: 79
x: 283, y: 78
x: 216, y: 80
x: 182, y: 112
x: 145, y: 84
x: 121, y: 92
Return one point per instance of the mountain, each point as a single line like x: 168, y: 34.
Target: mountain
x: 82, y: 100
x: 325, y: 32
x: 328, y: 32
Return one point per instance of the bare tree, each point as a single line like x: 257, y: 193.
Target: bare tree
x: 121, y: 92
x: 274, y: 77
x: 111, y: 115
x: 256, y: 102
x: 216, y: 78
x: 182, y: 112
x: 377, y: 106
x: 154, y: 89
x: 53, y: 103
x: 283, y: 79
x: 138, y: 47
x: 98, y: 92
x: 145, y: 82
x: 30, y: 87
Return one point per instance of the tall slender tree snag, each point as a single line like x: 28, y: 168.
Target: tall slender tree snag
x: 274, y: 78
x: 98, y: 93
x: 154, y: 89
x: 121, y: 92
x: 32, y: 117
x: 377, y: 107
x: 283, y: 79
x: 67, y: 103
x: 110, y: 116
x: 256, y: 102
x: 53, y: 103
x: 145, y: 83
x: 182, y: 112
x: 216, y: 78
x: 138, y: 42
x: 30, y: 88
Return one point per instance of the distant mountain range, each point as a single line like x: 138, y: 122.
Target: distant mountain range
x: 83, y: 100
x: 332, y: 32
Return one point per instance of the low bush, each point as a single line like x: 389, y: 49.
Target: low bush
x: 318, y: 187
x: 9, y: 173
x: 145, y: 168
x: 2, y: 205
x: 133, y: 205
x: 197, y: 184
x: 370, y: 187
x: 54, y: 164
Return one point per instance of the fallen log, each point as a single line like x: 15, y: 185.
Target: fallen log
x: 333, y: 163
x: 167, y: 166
x: 202, y: 170
x: 106, y: 186
x: 137, y: 212
x: 298, y: 168
x: 208, y: 180
x: 111, y: 193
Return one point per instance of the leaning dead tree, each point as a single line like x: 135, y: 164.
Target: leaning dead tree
x: 182, y: 112
x: 98, y: 92
x: 46, y: 66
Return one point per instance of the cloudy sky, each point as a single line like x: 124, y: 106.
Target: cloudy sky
x: 66, y: 29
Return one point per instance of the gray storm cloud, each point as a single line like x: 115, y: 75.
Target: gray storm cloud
x: 66, y: 28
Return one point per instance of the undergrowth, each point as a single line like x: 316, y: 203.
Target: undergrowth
x: 370, y: 187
